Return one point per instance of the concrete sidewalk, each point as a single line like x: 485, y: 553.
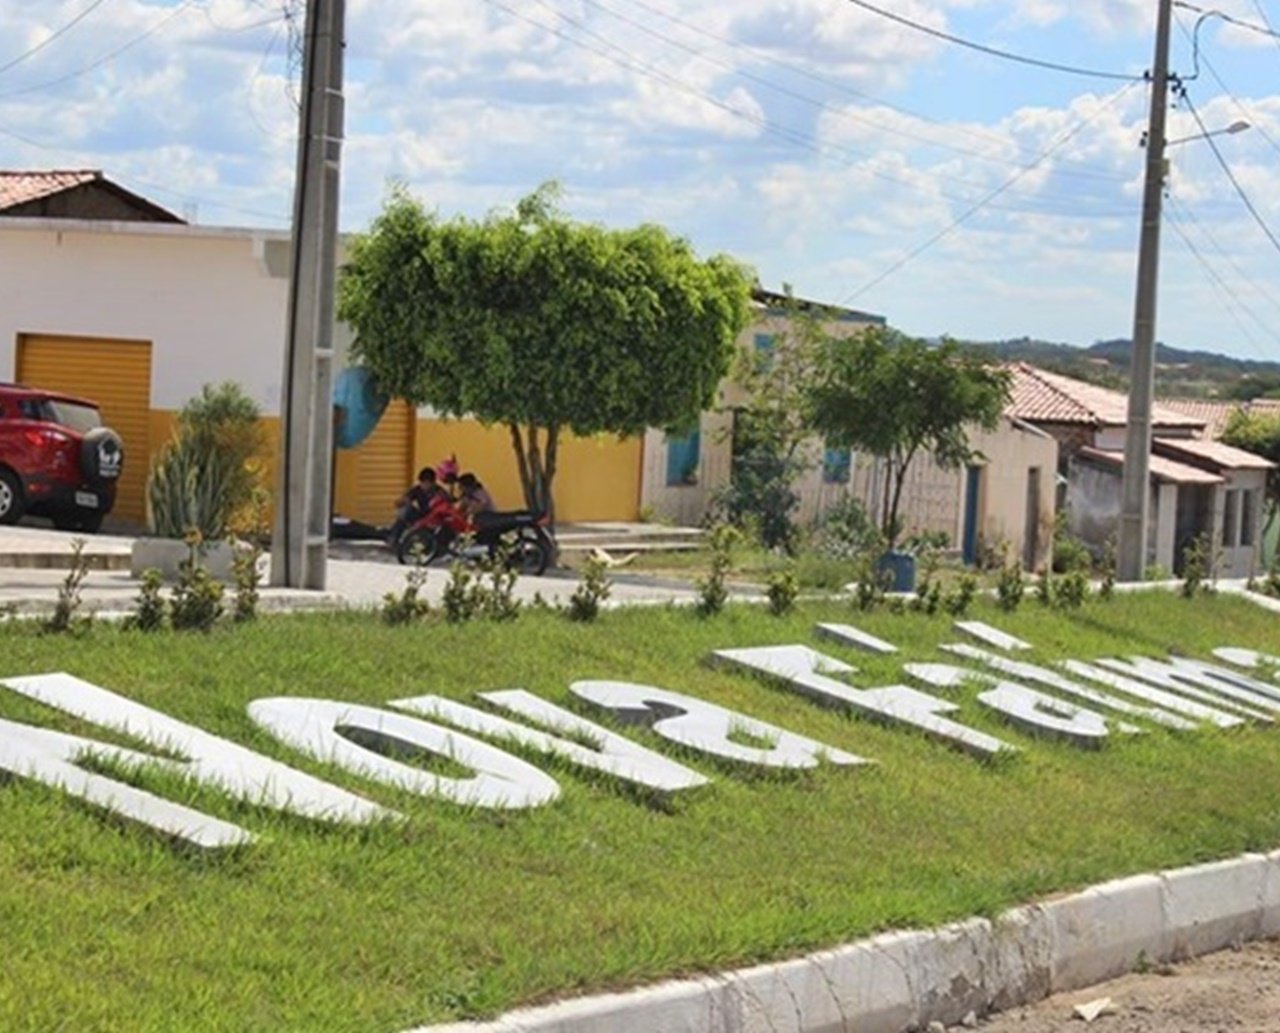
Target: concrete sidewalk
x: 34, y: 563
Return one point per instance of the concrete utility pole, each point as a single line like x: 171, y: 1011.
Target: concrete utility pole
x: 300, y: 542
x: 1131, y: 555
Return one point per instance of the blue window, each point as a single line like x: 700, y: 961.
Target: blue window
x: 682, y: 459
x: 836, y: 466
x: 765, y: 344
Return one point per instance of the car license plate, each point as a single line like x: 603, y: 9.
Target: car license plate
x: 87, y: 499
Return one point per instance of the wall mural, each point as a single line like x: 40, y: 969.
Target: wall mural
x: 1073, y: 701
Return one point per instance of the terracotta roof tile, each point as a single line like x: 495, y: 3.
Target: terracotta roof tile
x: 1038, y: 396
x: 1161, y: 469
x: 1215, y: 413
x: 18, y: 188
x: 1224, y: 457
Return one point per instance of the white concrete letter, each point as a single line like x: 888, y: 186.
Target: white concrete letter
x: 1039, y: 714
x: 609, y: 753
x: 51, y: 758
x: 707, y: 728
x: 330, y: 731
x: 802, y: 670
x: 216, y: 762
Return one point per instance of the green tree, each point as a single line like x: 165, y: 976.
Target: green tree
x: 1259, y: 432
x: 769, y: 402
x: 895, y: 396
x: 541, y: 324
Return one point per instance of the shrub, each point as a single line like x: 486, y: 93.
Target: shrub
x: 245, y: 574
x: 407, y: 606
x: 712, y: 590
x: 149, y: 609
x: 1198, y: 567
x: 207, y: 474
x: 593, y: 589
x: 1071, y: 589
x: 197, y: 597
x: 845, y: 531
x: 64, y: 619
x: 960, y: 597
x: 783, y: 588
x: 1069, y: 552
x: 1010, y: 586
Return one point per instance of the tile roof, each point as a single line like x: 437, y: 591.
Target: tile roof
x: 1161, y: 469
x: 1216, y: 453
x: 1215, y: 413
x: 22, y: 187
x: 1038, y: 396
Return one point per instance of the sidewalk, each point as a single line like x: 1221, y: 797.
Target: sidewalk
x: 34, y: 563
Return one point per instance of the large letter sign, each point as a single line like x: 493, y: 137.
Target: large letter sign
x: 612, y: 754
x: 326, y: 729
x: 707, y: 728
x: 213, y: 761
x: 803, y: 670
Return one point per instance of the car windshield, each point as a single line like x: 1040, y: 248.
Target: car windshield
x: 77, y: 417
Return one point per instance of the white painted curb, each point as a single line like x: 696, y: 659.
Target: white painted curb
x: 905, y: 980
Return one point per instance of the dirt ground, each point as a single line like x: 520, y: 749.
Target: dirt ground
x: 1228, y: 992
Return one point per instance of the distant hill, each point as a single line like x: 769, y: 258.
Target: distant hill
x: 1178, y: 372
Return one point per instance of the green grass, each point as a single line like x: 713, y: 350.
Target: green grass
x: 461, y: 913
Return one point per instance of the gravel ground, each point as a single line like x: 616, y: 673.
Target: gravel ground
x: 1228, y: 992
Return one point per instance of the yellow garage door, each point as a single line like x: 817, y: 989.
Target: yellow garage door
x: 116, y: 375
x: 373, y: 475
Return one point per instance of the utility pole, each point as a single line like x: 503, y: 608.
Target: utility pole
x: 300, y: 542
x: 1131, y: 554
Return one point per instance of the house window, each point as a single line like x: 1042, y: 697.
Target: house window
x: 1248, y: 515
x: 682, y: 459
x: 764, y: 345
x: 1230, y: 519
x: 836, y: 465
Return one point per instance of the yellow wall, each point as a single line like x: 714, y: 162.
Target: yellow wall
x: 597, y: 478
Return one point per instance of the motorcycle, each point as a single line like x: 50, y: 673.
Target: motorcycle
x: 444, y: 531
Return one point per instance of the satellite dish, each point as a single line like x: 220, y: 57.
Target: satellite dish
x: 359, y: 404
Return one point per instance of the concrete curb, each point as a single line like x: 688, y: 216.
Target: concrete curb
x: 905, y: 980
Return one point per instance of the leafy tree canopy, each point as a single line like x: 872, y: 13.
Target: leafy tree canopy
x: 1258, y: 432
x: 543, y: 324
x: 894, y: 396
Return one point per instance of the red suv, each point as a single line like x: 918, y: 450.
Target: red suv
x: 56, y: 459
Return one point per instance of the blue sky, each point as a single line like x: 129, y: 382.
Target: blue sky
x: 829, y: 147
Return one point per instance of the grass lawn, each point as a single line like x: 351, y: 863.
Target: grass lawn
x: 463, y: 913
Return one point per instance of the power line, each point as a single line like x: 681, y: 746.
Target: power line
x: 799, y: 139
x: 111, y: 56
x: 1224, y: 288
x: 821, y: 104
x: 992, y: 51
x: 53, y: 36
x: 964, y: 217
x: 1208, y: 13
x: 1217, y: 153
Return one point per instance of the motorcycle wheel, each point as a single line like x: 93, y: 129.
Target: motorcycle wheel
x: 419, y: 546
x: 530, y: 554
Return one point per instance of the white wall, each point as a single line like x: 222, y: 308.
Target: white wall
x: 203, y: 297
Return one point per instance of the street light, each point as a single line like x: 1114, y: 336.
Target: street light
x: 1238, y: 126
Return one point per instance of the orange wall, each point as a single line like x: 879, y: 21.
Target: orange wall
x: 597, y: 478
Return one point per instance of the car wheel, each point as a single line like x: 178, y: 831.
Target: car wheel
x: 12, y: 504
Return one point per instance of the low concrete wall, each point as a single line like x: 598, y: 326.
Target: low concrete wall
x: 905, y: 980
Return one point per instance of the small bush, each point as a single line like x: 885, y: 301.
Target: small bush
x: 64, y: 617
x: 712, y: 590
x: 150, y: 612
x: 1010, y: 586
x: 959, y: 599
x: 594, y: 588
x: 407, y: 606
x: 197, y: 597
x: 458, y: 598
x: 1198, y: 567
x: 1069, y: 552
x: 783, y: 588
x: 1107, y: 586
x: 1045, y: 589
x: 928, y: 587
x: 1071, y: 589
x: 845, y: 531
x: 247, y: 578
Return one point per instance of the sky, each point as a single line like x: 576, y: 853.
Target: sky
x: 833, y: 148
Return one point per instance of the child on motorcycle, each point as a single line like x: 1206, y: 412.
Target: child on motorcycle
x: 416, y: 503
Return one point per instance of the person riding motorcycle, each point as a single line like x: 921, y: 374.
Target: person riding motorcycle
x: 416, y: 502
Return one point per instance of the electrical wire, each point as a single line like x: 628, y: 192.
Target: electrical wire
x: 1175, y: 216
x: 1205, y: 12
x: 62, y: 31
x: 111, y: 56
x: 821, y: 105
x: 1217, y: 153
x: 1223, y: 288
x: 983, y: 48
x: 847, y: 155
x: 964, y: 217
x: 1188, y: 216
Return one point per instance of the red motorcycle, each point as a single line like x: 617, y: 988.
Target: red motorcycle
x: 445, y: 531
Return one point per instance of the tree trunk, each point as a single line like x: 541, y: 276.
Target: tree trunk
x: 522, y: 465
x: 549, y: 471
x: 536, y: 463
